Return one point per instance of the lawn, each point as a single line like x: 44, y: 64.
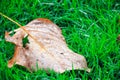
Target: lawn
x: 90, y: 28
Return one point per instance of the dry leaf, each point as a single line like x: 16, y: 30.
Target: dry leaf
x: 46, y: 48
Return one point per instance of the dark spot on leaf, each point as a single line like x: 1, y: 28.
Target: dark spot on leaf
x: 37, y: 59
x: 61, y: 53
x: 26, y: 47
x: 37, y: 23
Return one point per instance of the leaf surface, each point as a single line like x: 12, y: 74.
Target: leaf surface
x: 46, y: 47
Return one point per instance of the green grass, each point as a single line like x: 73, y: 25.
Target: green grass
x: 90, y: 28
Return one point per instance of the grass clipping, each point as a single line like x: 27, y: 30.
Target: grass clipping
x: 46, y: 48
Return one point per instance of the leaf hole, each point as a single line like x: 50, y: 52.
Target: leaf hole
x: 12, y: 33
x: 25, y: 41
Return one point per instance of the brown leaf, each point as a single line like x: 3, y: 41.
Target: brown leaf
x: 46, y: 48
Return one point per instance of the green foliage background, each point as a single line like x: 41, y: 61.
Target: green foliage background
x: 90, y: 28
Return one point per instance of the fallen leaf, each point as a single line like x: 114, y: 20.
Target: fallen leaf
x: 46, y: 48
